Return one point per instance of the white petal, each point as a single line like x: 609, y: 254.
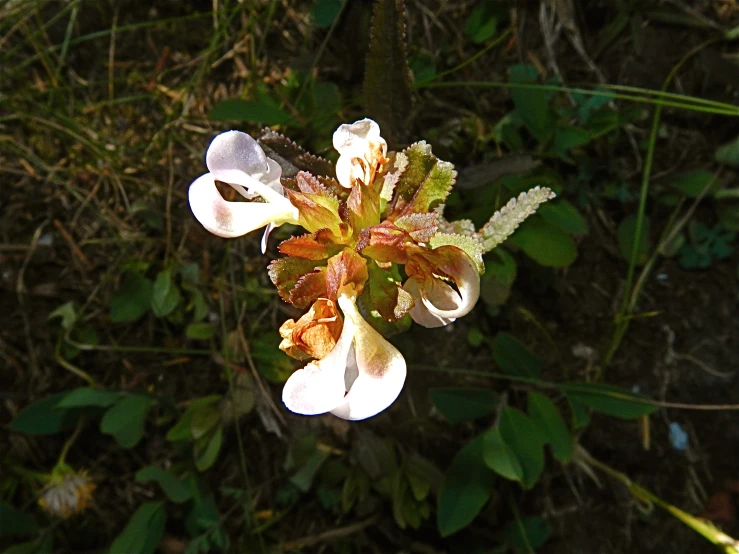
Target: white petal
x: 265, y: 236
x: 236, y: 150
x: 233, y: 219
x: 319, y: 387
x: 467, y: 279
x: 381, y: 369
x: 440, y: 295
x: 352, y: 139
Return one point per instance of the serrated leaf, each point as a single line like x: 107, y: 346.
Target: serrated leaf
x: 425, y: 183
x: 564, y: 215
x: 132, y: 300
x: 458, y: 404
x: 609, y: 399
x: 547, y: 416
x: 278, y: 146
x: 387, y: 88
x: 526, y: 439
x: 177, y: 490
x: 286, y: 272
x: 42, y: 418
x: 626, y: 235
x: 470, y: 246
x: 500, y: 457
x: 143, y: 531
x: 126, y: 419
x: 467, y: 487
x: 514, y: 358
x: 87, y: 396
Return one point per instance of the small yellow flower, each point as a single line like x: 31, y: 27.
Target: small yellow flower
x: 67, y: 494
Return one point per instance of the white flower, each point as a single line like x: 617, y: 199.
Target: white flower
x: 436, y: 303
x: 237, y: 159
x: 361, y: 150
x: 359, y: 378
x: 67, y: 495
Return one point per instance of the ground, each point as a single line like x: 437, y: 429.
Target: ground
x: 100, y: 138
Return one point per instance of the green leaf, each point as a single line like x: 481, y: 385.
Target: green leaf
x: 483, y: 21
x: 67, y: 313
x: 177, y: 490
x: 545, y: 243
x: 459, y: 404
x: 264, y: 111
x: 182, y: 431
x: 468, y: 245
x: 423, y: 67
x: 303, y: 478
x: 425, y: 183
x: 204, y: 418
x: 387, y: 88
x: 526, y: 440
x: 43, y: 418
x: 580, y: 414
x: 530, y: 532
x: 547, y: 416
x: 564, y: 215
x: 165, y: 294
x: 126, y: 419
x: 514, y: 358
x: 626, y: 235
x: 729, y: 153
x: 207, y: 448
x: 609, y: 399
x: 500, y: 274
x: 693, y: 183
x: 87, y: 396
x: 568, y: 137
x: 15, y: 522
x: 532, y: 105
x: 325, y: 12
x: 132, y: 300
x: 143, y: 531
x: 388, y: 297
x: 467, y: 487
x: 200, y: 331
x: 41, y: 545
x: 499, y: 457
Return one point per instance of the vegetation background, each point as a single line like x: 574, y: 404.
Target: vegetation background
x: 141, y: 352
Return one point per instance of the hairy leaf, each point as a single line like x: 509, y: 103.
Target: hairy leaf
x: 424, y: 184
x: 390, y: 300
x: 286, y: 272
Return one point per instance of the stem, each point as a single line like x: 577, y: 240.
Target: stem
x: 700, y: 526
x: 621, y: 321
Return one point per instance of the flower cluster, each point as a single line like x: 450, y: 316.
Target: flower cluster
x: 377, y: 253
x: 67, y: 493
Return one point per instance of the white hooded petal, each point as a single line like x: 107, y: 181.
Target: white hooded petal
x: 319, y: 387
x: 380, y: 369
x: 352, y: 139
x: 440, y: 295
x: 467, y: 279
x: 234, y: 219
x: 237, y: 150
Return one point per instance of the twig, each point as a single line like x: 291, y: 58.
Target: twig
x: 311, y: 540
x: 73, y: 245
